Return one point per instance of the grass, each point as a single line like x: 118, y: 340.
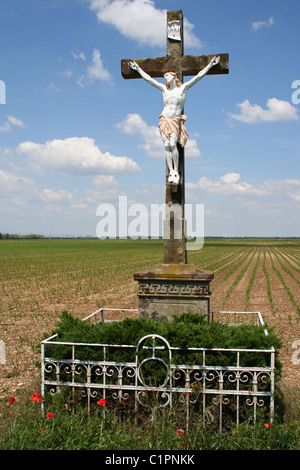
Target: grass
x: 26, y: 429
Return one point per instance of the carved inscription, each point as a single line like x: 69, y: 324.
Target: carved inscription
x: 173, y: 290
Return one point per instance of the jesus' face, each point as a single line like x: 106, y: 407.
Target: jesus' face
x: 169, y: 77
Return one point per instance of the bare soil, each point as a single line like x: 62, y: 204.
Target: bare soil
x: 24, y: 327
x: 285, y: 320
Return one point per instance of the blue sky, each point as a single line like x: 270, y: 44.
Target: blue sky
x: 74, y: 134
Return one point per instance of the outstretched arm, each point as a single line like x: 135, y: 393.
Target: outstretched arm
x: 202, y: 72
x: 146, y: 77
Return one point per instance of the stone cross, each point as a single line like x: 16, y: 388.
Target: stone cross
x: 174, y: 246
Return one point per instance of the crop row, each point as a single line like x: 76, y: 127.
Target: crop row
x: 286, y: 270
x: 67, y: 272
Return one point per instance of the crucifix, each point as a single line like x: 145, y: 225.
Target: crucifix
x: 173, y: 67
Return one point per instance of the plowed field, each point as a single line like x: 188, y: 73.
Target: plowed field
x: 41, y: 278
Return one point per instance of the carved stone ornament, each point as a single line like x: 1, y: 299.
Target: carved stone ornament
x: 174, y: 30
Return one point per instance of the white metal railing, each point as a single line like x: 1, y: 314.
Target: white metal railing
x: 216, y: 387
x: 233, y: 318
x: 94, y: 317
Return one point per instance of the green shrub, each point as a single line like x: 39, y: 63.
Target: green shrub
x: 186, y: 331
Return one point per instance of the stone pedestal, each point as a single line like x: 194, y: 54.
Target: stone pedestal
x: 172, y: 289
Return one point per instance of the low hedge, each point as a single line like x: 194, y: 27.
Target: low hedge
x: 186, y: 331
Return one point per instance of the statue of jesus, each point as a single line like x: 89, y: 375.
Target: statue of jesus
x: 171, y: 120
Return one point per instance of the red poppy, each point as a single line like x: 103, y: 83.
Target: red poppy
x: 102, y: 402
x: 268, y: 425
x: 42, y: 430
x: 179, y: 432
x: 36, y: 397
x: 12, y: 400
x: 50, y: 415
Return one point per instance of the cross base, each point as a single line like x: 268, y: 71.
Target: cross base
x: 168, y: 290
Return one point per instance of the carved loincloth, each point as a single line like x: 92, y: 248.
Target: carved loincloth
x: 168, y: 126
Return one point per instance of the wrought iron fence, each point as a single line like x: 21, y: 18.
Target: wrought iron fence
x: 150, y: 375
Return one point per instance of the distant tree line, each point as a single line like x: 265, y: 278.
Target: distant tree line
x: 32, y: 236
x: 14, y: 236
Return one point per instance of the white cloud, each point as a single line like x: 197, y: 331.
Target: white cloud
x: 80, y: 206
x: 290, y: 186
x: 80, y: 55
x: 192, y: 149
x: 11, y: 121
x: 5, y: 127
x: 134, y: 124
x: 105, y: 181
x: 106, y: 189
x: 277, y: 110
x: 21, y: 190
x: 95, y: 71
x: 154, y: 193
x: 52, y: 196
x: 10, y: 183
x: 230, y: 184
x: 256, y: 25
x: 140, y: 20
x: 15, y: 121
x: 66, y: 73
x: 76, y: 155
